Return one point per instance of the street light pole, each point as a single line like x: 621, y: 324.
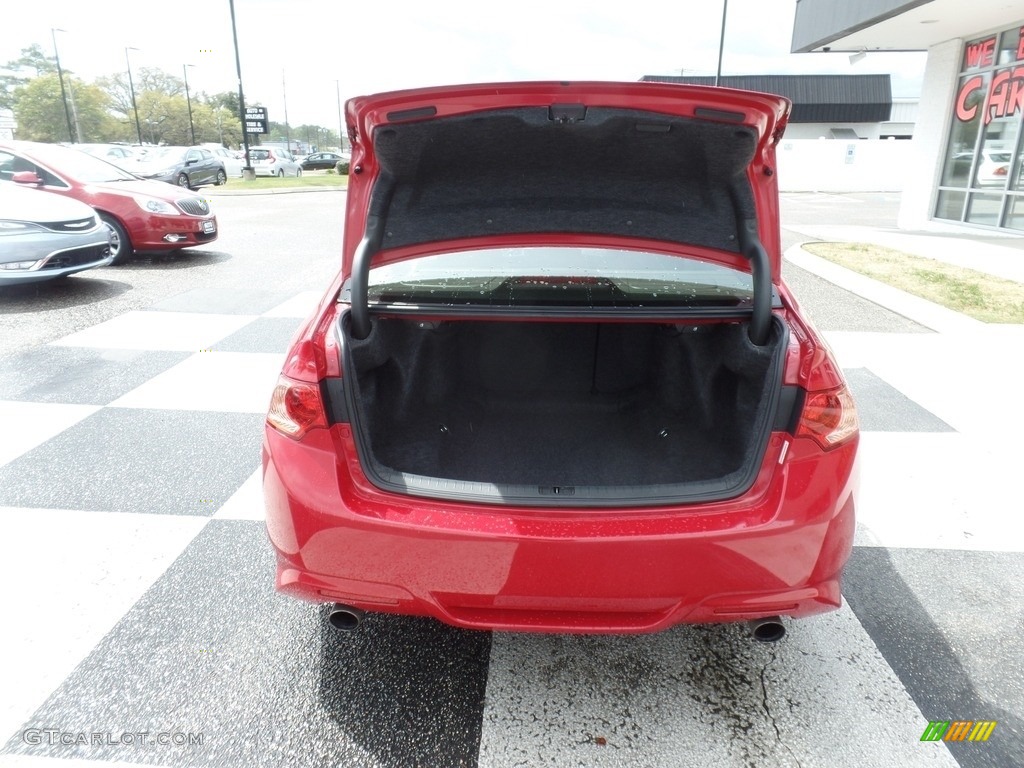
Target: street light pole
x: 131, y: 87
x: 191, y: 125
x: 247, y: 171
x: 721, y: 41
x: 63, y: 93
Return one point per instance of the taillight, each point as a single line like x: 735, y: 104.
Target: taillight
x: 296, y: 408
x: 1002, y: 170
x: 829, y: 418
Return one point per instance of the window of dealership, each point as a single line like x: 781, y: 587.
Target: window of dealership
x: 982, y: 178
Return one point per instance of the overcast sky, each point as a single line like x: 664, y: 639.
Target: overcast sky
x: 377, y: 46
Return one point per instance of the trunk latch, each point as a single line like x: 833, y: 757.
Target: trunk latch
x: 567, y: 113
x: 557, y: 490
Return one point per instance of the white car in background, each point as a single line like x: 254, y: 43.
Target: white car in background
x: 124, y: 157
x: 993, y: 167
x: 272, y: 161
x: 233, y: 165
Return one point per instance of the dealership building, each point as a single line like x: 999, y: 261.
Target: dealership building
x: 967, y: 166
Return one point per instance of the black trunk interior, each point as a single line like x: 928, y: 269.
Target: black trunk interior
x: 565, y: 407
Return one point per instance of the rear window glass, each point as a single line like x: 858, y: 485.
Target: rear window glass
x: 577, y: 277
x: 259, y: 154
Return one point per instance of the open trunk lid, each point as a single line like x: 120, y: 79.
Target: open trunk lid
x: 685, y: 170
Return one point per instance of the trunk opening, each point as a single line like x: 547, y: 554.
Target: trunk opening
x: 562, y: 413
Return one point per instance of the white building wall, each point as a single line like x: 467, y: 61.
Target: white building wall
x: 7, y: 124
x: 824, y: 130
x: 925, y: 151
x: 814, y: 165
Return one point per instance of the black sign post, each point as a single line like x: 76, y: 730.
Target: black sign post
x: 247, y: 171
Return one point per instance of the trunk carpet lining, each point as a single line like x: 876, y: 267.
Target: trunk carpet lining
x: 548, y: 404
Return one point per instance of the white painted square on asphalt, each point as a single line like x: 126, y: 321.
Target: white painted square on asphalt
x: 300, y: 305
x: 86, y: 570
x: 702, y: 696
x: 938, y: 491
x: 171, y: 331
x: 28, y: 425
x: 247, y: 502
x: 234, y: 382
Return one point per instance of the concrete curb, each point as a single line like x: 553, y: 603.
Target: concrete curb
x: 915, y: 308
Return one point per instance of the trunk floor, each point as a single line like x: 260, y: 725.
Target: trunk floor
x: 579, y: 441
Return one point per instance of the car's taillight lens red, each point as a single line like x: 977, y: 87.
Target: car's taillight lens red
x: 829, y: 418
x: 296, y: 408
x: 1002, y: 170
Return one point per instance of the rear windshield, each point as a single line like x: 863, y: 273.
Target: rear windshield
x: 259, y: 154
x: 572, y: 277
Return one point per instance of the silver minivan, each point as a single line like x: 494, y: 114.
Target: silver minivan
x: 44, y: 236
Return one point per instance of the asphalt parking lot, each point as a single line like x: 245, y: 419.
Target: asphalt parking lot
x: 137, y: 584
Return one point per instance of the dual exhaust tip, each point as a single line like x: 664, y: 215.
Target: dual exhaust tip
x: 345, y: 618
x: 769, y: 629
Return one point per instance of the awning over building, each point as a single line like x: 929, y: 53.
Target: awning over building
x: 816, y: 98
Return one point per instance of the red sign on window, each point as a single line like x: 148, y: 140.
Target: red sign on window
x: 980, y: 53
x: 1005, y: 95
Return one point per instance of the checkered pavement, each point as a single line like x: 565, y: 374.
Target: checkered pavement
x: 138, y: 587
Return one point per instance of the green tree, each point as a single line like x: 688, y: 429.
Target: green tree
x: 215, y: 124
x: 39, y: 110
x: 18, y: 72
x: 156, y: 94
x: 227, y: 100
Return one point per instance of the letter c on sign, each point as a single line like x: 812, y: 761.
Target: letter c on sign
x: 964, y: 113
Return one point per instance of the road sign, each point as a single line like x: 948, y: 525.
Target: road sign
x: 256, y: 120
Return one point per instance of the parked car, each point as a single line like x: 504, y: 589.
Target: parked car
x: 188, y: 167
x: 321, y: 161
x: 141, y: 215
x: 271, y: 161
x: 233, y: 164
x: 124, y: 157
x: 45, y: 236
x: 994, y: 167
x: 535, y: 400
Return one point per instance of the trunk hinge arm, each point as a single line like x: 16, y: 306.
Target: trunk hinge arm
x: 752, y: 248
x: 369, y: 245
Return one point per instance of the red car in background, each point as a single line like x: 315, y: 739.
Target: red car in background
x: 559, y: 383
x: 141, y: 215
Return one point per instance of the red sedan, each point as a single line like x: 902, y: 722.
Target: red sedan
x: 559, y: 384
x: 141, y: 215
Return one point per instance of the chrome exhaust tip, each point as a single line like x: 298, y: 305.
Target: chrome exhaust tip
x: 345, y: 618
x: 770, y: 629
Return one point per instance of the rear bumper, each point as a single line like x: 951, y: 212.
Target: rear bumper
x: 779, y: 549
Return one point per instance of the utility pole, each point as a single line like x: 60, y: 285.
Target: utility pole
x: 341, y: 125
x: 287, y: 129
